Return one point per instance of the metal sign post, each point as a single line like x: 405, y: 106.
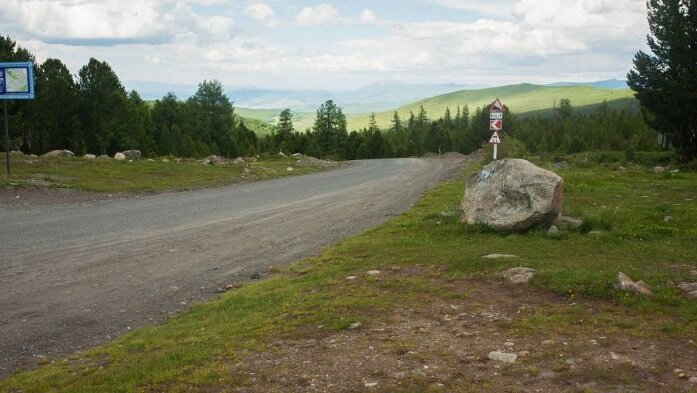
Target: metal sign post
x: 16, y: 83
x: 7, y: 138
x: 496, y: 124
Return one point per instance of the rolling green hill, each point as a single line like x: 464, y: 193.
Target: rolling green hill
x: 521, y: 98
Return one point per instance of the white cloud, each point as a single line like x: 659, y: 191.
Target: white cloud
x: 259, y: 11
x: 368, y: 16
x: 319, y: 15
x: 169, y: 40
x: 129, y: 20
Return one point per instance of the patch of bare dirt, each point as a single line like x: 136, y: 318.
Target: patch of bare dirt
x: 37, y: 194
x: 444, y: 345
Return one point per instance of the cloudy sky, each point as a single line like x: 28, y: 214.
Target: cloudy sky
x: 336, y: 44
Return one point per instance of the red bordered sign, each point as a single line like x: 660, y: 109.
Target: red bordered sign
x: 497, y: 106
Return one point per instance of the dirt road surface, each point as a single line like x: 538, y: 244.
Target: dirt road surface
x: 75, y: 275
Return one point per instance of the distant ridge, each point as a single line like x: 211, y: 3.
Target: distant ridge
x: 521, y: 98
x: 606, y: 84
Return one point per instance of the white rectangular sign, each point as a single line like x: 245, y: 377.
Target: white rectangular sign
x: 496, y: 115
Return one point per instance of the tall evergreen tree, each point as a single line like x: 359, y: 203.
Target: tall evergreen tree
x: 102, y: 103
x: 665, y: 81
x: 55, y: 111
x: 330, y: 129
x: 284, y: 129
x: 396, y: 123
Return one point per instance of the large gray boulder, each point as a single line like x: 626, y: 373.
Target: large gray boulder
x: 512, y: 195
x: 60, y: 153
x: 133, y: 155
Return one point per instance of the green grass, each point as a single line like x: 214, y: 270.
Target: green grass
x: 625, y: 232
x: 520, y: 99
x: 114, y: 176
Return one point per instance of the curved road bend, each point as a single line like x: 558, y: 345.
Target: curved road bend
x: 75, y: 276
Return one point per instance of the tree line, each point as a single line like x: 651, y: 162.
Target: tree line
x: 92, y: 112
x: 459, y: 131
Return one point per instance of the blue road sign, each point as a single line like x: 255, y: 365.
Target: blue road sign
x: 17, y: 81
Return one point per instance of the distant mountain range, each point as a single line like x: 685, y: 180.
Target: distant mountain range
x: 606, y: 84
x: 375, y: 97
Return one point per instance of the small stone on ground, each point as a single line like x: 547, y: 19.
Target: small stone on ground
x: 503, y: 357
x: 499, y: 256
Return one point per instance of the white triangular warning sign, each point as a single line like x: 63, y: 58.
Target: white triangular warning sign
x: 495, y: 140
x: 496, y: 106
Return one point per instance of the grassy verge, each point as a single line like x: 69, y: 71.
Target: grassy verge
x: 157, y: 175
x: 426, y: 258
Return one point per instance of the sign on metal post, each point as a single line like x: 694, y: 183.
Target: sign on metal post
x: 16, y: 83
x: 495, y: 139
x: 496, y: 123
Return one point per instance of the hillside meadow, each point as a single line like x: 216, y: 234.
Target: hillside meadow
x: 521, y: 98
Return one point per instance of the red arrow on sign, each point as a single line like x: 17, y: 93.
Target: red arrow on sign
x: 495, y: 125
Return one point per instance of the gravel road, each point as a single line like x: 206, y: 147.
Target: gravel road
x: 75, y: 275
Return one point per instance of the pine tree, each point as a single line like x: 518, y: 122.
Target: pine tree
x: 284, y: 130
x: 665, y: 81
x: 396, y: 123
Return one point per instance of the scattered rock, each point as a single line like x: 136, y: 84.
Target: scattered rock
x: 692, y: 380
x: 547, y: 342
x: 60, y: 153
x: 315, y: 162
x: 689, y: 289
x: 499, y: 256
x: 667, y: 219
x: 355, y: 325
x: 351, y: 278
x: 280, y: 153
x: 214, y: 160
x: 120, y: 157
x: 289, y: 169
x: 417, y: 372
x: 151, y: 160
x: 518, y: 275
x: 371, y: 384
x: 165, y: 160
x: 625, y: 283
x: 523, y: 354
x: 296, y: 155
x: 250, y: 159
x: 503, y: 357
x: 659, y: 169
x: 104, y: 156
x: 90, y: 156
x: 373, y: 272
x: 512, y: 194
x: 553, y: 230
x: 132, y: 155
x: 568, y: 223
x: 508, y: 344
